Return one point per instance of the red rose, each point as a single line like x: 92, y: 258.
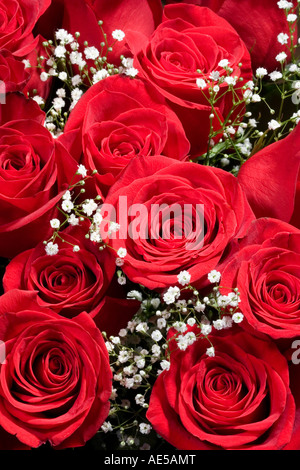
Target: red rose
x: 69, y: 282
x: 266, y: 270
x: 155, y: 201
x: 56, y: 381
x: 264, y: 22
x: 190, y: 39
x: 237, y: 400
x: 18, y: 18
x: 266, y: 173
x: 118, y: 119
x: 34, y: 172
x: 12, y: 73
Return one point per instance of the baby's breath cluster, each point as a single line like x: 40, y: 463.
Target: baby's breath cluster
x: 75, y: 210
x: 142, y: 351
x: 76, y: 65
x: 271, y: 100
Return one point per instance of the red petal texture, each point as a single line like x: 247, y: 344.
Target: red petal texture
x: 56, y: 381
x: 266, y: 173
x: 264, y: 22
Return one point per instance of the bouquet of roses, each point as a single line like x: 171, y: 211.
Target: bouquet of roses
x: 149, y: 225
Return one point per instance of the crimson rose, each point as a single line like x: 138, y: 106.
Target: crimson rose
x: 189, y: 44
x: 240, y: 399
x: 118, y: 119
x: 165, y: 201
x: 34, y: 172
x: 56, y: 380
x: 266, y: 270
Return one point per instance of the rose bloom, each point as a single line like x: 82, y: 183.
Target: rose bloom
x: 55, y: 382
x: 240, y: 399
x: 266, y: 270
x: 159, y: 242
x: 258, y: 24
x: 68, y: 282
x: 118, y: 119
x: 188, y: 45
x: 35, y: 171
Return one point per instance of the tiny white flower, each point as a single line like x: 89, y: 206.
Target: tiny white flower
x: 261, y: 72
x: 67, y: 196
x: 281, y: 57
x: 58, y: 103
x: 51, y: 249
x: 291, y: 18
x: 284, y: 4
x: 60, y: 51
x: 145, y: 428
x: 156, y: 335
x: 76, y: 80
x: 44, y: 76
x: 255, y: 98
x: 218, y: 324
x: 134, y: 294
x: 201, y: 83
x: 214, y: 276
x: 81, y: 170
x: 191, y: 321
x: 118, y: 34
x: 184, y: 278
x: 276, y: 75
x: 223, y: 63
x: 63, y: 76
x: 76, y: 94
x: 39, y: 100
x: 214, y: 75
x: 114, y: 227
x: 26, y: 63
x: 106, y: 427
x: 142, y: 327
x: 273, y: 125
x: 283, y: 38
x: 206, y: 329
x: 119, y: 262
x: 122, y: 252
x: 76, y: 248
x: 63, y: 36
x: 100, y: 75
x: 230, y: 80
x: 165, y: 365
x: 67, y: 205
x: 55, y: 223
x: 91, y: 53
x: 237, y: 317
x: 139, y: 399
x: 89, y: 207
x: 210, y: 351
x: 122, y: 280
